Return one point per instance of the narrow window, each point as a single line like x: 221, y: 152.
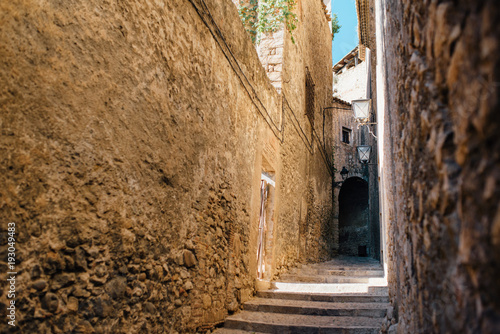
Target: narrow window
x: 346, y: 135
x: 309, y: 97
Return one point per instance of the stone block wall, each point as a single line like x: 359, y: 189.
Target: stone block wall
x: 270, y: 50
x: 439, y: 67
x: 132, y: 144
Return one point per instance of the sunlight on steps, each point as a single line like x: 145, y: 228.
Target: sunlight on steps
x: 373, y: 286
x: 345, y: 295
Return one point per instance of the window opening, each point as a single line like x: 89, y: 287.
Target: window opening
x: 346, y: 135
x: 309, y: 97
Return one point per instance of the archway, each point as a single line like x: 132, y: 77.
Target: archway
x: 354, y: 222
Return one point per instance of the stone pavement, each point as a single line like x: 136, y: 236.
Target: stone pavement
x: 346, y: 295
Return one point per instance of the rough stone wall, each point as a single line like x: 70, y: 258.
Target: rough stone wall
x: 121, y: 167
x: 303, y: 206
x: 304, y: 215
x: 441, y: 173
x: 131, y: 151
x: 316, y: 41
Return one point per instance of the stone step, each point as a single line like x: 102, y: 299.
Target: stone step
x: 349, y: 265
x: 340, y: 268
x: 370, y: 310
x: 297, y: 323
x: 331, y: 279
x: 307, y: 287
x: 345, y: 295
x: 366, y: 263
x: 325, y: 297
x: 233, y: 331
x: 338, y: 272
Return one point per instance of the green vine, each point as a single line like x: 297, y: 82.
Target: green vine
x: 335, y: 25
x: 267, y: 16
x: 248, y: 14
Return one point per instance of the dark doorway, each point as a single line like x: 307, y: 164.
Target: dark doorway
x: 354, y: 230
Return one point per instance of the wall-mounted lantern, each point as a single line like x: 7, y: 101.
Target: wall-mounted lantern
x: 364, y: 152
x: 343, y: 173
x: 361, y: 112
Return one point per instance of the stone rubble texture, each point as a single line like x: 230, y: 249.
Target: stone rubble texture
x: 442, y: 175
x: 131, y: 150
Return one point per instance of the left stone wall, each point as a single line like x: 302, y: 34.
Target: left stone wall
x: 128, y: 150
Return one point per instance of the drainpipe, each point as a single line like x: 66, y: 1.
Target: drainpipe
x: 368, y: 62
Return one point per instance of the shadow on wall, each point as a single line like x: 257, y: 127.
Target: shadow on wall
x: 354, y: 233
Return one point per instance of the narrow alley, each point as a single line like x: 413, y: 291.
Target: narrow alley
x: 209, y: 166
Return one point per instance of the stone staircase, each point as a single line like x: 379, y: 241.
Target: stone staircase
x: 346, y: 295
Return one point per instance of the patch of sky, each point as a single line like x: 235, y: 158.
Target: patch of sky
x: 347, y: 38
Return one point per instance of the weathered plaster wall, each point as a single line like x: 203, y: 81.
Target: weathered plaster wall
x: 131, y: 152
x: 351, y: 83
x: 439, y: 103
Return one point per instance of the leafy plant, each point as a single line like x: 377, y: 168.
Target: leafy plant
x: 267, y: 16
x: 248, y: 14
x: 335, y: 25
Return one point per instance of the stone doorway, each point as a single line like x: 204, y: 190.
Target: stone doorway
x: 354, y: 221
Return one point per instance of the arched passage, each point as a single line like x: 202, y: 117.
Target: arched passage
x: 354, y: 230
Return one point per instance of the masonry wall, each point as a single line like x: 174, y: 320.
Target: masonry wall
x: 306, y: 206
x: 345, y: 155
x: 132, y: 145
x: 439, y: 68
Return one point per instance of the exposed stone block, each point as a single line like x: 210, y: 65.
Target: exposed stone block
x: 189, y: 259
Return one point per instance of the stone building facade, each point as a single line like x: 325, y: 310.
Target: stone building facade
x: 357, y: 198
x: 134, y: 140
x: 350, y: 77
x: 356, y: 210
x: 438, y: 108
